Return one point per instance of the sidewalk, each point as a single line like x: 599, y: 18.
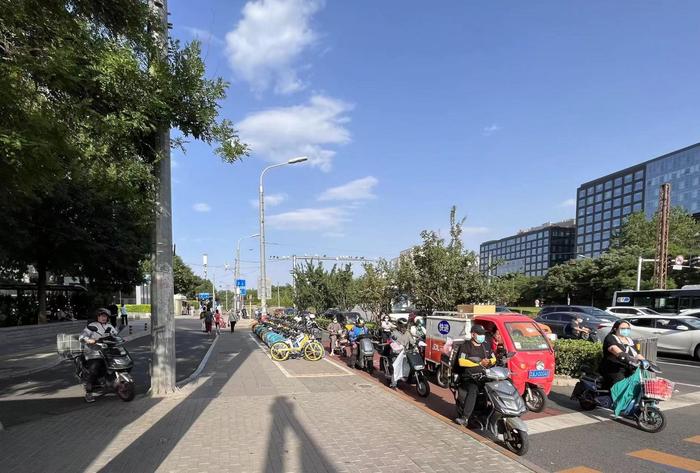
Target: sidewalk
x: 28, y: 361
x: 246, y: 415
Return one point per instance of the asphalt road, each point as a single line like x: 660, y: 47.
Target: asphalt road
x: 57, y: 390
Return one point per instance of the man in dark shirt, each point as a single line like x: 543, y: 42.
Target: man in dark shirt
x: 472, y: 357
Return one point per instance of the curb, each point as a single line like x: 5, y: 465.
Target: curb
x: 195, y: 374
x: 479, y: 438
x: 564, y: 380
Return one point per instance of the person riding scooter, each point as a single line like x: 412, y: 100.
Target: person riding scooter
x: 619, y: 354
x: 357, y: 330
x: 401, y: 336
x: 472, y: 357
x: 94, y: 363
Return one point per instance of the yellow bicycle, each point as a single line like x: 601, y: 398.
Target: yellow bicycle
x: 302, y: 344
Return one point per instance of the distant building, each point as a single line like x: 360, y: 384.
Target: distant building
x: 602, y: 204
x: 531, y: 252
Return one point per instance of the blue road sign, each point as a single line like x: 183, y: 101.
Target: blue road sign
x: 240, y: 282
x: 203, y: 295
x: 243, y: 291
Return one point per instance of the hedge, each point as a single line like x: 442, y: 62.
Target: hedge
x: 322, y: 322
x: 138, y: 308
x: 571, y: 355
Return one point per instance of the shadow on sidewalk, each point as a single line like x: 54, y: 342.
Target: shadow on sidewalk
x: 153, y: 446
x: 283, y: 419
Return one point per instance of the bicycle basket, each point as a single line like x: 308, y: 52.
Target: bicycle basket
x: 68, y: 345
x: 657, y: 388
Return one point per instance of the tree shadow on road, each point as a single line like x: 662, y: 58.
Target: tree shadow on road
x: 283, y: 420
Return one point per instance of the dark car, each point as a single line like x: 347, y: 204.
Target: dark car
x: 560, y: 322
x: 348, y: 318
x: 581, y: 309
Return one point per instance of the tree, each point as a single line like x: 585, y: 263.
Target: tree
x: 374, y: 289
x: 184, y: 279
x: 84, y: 90
x: 440, y: 274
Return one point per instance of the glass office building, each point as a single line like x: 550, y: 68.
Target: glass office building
x: 603, y: 204
x: 531, y: 252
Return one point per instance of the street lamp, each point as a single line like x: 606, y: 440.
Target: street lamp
x: 238, y: 268
x: 263, y: 276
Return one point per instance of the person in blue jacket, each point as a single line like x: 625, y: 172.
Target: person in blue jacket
x: 357, y: 330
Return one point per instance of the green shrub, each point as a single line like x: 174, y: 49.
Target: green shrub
x: 570, y: 355
x: 371, y: 325
x: 141, y: 308
x: 322, y: 322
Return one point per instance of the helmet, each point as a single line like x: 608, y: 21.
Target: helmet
x: 312, y: 316
x: 102, y: 311
x: 360, y: 322
x: 418, y: 321
x: 402, y: 321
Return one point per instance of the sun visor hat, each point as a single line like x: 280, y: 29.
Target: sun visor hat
x: 478, y: 329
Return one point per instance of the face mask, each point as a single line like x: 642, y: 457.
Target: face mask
x: 625, y: 332
x: 480, y: 338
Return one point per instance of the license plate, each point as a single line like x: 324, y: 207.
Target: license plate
x: 539, y: 373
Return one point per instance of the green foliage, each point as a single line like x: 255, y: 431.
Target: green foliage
x: 184, y: 279
x: 571, y: 355
x: 374, y: 288
x: 323, y: 322
x: 138, y: 308
x: 321, y: 290
x: 85, y: 89
x: 441, y: 274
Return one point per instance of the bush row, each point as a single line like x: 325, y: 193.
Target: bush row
x: 141, y: 308
x: 571, y: 355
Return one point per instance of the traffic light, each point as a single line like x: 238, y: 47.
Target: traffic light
x: 695, y: 262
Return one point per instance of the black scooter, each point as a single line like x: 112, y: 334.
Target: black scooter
x: 118, y: 365
x: 498, y: 407
x: 643, y: 410
x: 364, y: 358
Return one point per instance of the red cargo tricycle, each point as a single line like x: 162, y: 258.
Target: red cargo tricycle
x: 532, y: 365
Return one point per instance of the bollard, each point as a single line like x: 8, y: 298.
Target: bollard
x: 131, y: 330
x: 145, y: 326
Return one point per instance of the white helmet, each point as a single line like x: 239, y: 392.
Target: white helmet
x: 312, y: 316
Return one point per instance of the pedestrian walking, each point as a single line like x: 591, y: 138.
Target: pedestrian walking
x: 125, y: 315
x: 218, y: 321
x: 208, y: 320
x: 232, y: 319
x: 113, y: 312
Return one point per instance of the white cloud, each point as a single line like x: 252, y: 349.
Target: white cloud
x: 268, y: 40
x: 203, y: 35
x: 474, y: 230
x: 329, y: 218
x: 490, y: 130
x: 359, y: 189
x: 279, y: 134
x: 201, y: 207
x: 568, y: 203
x: 271, y: 200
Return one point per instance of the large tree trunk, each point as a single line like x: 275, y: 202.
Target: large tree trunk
x: 41, y: 293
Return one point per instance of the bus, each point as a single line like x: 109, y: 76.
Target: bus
x: 661, y: 300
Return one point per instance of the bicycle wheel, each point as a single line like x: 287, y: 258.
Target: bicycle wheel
x: 279, y: 351
x: 313, y: 351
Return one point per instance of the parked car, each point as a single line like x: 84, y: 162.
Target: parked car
x: 676, y: 333
x: 348, y: 319
x: 581, y: 309
x: 560, y: 323
x: 623, y: 311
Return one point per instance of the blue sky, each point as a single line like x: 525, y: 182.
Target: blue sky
x: 406, y: 108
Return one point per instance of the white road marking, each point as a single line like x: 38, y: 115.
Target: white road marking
x: 690, y: 385
x: 576, y: 419
x: 289, y: 375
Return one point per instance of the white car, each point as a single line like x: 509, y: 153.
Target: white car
x: 676, y: 333
x: 627, y: 311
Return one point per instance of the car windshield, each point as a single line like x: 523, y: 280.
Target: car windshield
x: 649, y: 311
x: 693, y: 322
x: 526, y: 336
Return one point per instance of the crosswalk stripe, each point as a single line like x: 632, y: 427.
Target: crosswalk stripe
x: 579, y: 469
x: 667, y: 459
x: 695, y: 439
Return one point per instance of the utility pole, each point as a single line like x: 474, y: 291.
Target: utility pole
x: 162, y: 306
x: 663, y: 213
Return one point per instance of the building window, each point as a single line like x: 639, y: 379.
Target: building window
x: 607, y: 204
x: 638, y: 197
x: 608, y: 185
x: 637, y: 207
x: 616, y: 212
x: 627, y: 199
x: 628, y: 178
x: 639, y: 175
x: 639, y: 185
x: 606, y: 215
x: 626, y: 210
x: 628, y: 188
x: 617, y: 192
x: 618, y: 181
x: 606, y: 225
